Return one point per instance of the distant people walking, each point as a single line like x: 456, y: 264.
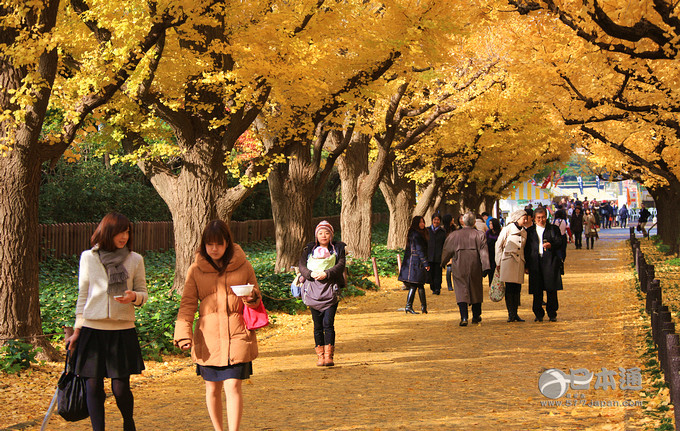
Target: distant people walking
x: 413, y: 272
x: 322, y: 265
x: 470, y: 254
x: 590, y: 228
x: 221, y: 346
x: 450, y: 226
x: 437, y: 235
x: 643, y: 219
x: 623, y: 216
x: 491, y: 237
x: 510, y: 257
x: 543, y: 258
x: 111, y: 283
x: 576, y: 225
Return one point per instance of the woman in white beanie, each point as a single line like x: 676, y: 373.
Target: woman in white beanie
x: 322, y: 265
x: 510, y: 258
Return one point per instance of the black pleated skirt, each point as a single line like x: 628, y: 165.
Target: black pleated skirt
x: 219, y: 374
x: 115, y: 354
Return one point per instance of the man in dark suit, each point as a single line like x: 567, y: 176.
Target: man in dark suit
x: 544, y: 241
x: 434, y: 253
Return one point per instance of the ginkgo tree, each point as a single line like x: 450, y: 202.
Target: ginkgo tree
x: 72, y: 57
x: 400, y: 35
x: 289, y: 64
x: 619, y: 65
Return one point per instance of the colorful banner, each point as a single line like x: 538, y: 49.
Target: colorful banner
x: 546, y: 182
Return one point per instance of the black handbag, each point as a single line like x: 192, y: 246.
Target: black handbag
x: 71, y: 399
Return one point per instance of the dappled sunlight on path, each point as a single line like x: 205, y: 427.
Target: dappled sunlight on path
x: 396, y: 371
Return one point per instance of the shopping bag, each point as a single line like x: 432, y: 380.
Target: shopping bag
x: 71, y: 400
x: 255, y: 318
x: 497, y: 288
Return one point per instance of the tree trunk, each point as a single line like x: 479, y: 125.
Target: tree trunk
x: 470, y: 199
x: 434, y: 208
x: 292, y: 203
x: 400, y: 196
x: 20, y: 186
x: 19, y: 288
x: 359, y: 182
x: 427, y: 197
x: 197, y: 195
x: 667, y: 200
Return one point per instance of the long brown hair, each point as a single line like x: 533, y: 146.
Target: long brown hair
x: 415, y: 226
x: 111, y: 225
x: 217, y: 231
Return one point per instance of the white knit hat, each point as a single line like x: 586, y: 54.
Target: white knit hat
x: 516, y: 215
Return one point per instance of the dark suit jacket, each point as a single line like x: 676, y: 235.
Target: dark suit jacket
x: 544, y: 271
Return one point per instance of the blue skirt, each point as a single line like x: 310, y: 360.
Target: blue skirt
x: 219, y: 374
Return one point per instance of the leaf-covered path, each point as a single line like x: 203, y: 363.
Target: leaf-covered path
x: 401, y: 372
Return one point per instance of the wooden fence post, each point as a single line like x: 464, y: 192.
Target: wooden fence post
x: 375, y: 272
x: 653, y: 294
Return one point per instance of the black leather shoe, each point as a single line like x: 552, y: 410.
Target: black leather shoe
x: 511, y: 319
x: 477, y: 319
x: 519, y: 319
x: 424, y: 310
x: 463, y: 322
x: 436, y: 292
x: 410, y: 310
x: 538, y: 320
x: 553, y: 319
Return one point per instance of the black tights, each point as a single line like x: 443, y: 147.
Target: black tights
x: 96, y: 397
x: 324, y: 325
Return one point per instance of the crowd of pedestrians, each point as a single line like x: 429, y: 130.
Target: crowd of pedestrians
x: 211, y: 324
x: 532, y: 241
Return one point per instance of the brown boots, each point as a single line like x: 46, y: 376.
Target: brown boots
x: 328, y: 355
x: 319, y: 356
x: 324, y: 355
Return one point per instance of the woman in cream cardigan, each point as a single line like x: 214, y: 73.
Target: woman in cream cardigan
x: 510, y: 258
x: 111, y: 282
x: 221, y: 346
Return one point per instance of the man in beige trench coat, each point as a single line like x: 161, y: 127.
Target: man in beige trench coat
x: 470, y: 255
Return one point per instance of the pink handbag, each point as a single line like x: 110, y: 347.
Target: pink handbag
x: 255, y: 318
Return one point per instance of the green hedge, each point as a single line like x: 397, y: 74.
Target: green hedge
x: 156, y: 319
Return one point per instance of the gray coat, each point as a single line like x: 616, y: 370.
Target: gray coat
x: 510, y: 253
x: 470, y: 255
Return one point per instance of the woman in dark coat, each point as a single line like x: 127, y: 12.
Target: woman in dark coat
x: 576, y: 225
x: 491, y: 237
x: 413, y: 272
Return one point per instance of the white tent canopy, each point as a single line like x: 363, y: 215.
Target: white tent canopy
x: 524, y: 194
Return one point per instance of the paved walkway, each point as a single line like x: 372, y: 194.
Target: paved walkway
x: 402, y: 372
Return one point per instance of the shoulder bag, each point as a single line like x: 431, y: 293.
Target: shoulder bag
x: 71, y: 400
x: 497, y: 288
x: 255, y: 318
